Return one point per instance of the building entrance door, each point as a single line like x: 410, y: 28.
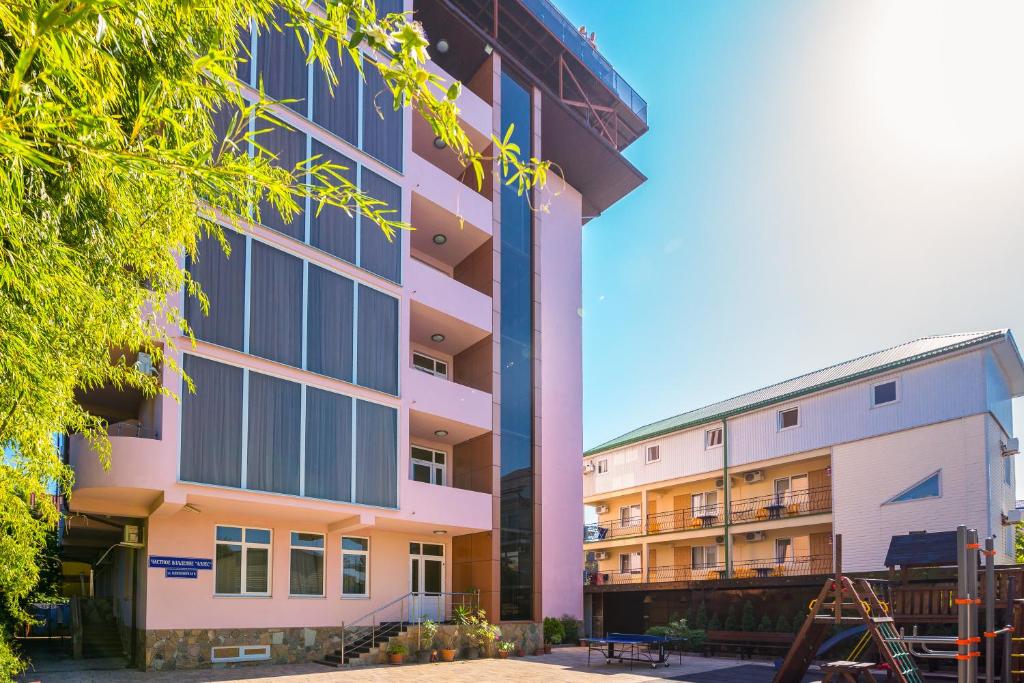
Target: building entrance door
x: 426, y: 581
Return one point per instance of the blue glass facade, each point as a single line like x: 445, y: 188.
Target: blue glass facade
x: 517, y: 494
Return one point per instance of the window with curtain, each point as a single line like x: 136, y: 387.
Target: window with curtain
x: 355, y: 567
x: 377, y: 350
x: 242, y: 564
x: 222, y: 278
x: 281, y: 61
x: 328, y: 445
x: 337, y: 109
x: 275, y: 305
x: 331, y: 229
x: 307, y: 564
x: 329, y: 327
x: 376, y: 454
x: 211, y: 423
x: 272, y: 462
x: 377, y: 254
x: 288, y: 147
x: 382, y: 124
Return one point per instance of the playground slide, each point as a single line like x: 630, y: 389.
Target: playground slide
x: 834, y: 640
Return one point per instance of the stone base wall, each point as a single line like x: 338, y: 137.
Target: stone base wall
x: 171, y: 649
x: 168, y: 650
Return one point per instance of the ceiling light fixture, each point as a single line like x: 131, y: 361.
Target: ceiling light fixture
x: 437, y: 337
x: 439, y: 143
x: 440, y: 239
x: 442, y: 46
x: 488, y: 49
x: 440, y: 532
x: 441, y: 432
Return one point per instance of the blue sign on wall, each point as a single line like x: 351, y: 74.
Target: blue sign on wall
x: 162, y: 562
x: 181, y: 573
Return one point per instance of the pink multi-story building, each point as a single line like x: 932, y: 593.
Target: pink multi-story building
x: 379, y: 430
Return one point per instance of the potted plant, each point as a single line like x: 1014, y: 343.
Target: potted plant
x: 396, y: 652
x: 449, y: 640
x: 425, y: 641
x: 505, y: 648
x: 480, y: 632
x: 554, y: 632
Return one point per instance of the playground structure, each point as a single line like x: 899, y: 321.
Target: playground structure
x: 846, y: 600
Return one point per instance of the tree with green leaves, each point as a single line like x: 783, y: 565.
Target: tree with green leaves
x: 111, y: 172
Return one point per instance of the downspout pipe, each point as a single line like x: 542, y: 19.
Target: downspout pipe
x: 727, y: 489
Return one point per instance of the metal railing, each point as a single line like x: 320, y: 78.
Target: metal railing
x: 410, y: 609
x: 618, y: 528
x: 132, y: 428
x: 715, y: 571
x: 697, y: 517
x: 781, y: 505
x: 580, y: 47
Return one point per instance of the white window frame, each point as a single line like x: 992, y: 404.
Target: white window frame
x: 787, y: 497
x: 630, y: 556
x: 703, y: 564
x: 602, y: 466
x: 632, y: 519
x: 436, y: 373
x: 432, y: 463
x: 246, y: 653
x: 323, y: 554
x: 363, y: 553
x: 705, y: 506
x: 652, y: 448
x: 889, y: 380
x: 245, y: 561
x: 778, y: 418
x: 710, y: 435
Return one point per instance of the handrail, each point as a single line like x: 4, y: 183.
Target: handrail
x: 403, y: 613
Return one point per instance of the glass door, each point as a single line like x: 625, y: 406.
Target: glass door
x: 426, y: 581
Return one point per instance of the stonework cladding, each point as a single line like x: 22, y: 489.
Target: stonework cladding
x: 171, y: 649
x: 168, y: 650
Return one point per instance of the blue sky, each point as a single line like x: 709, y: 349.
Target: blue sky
x: 826, y: 180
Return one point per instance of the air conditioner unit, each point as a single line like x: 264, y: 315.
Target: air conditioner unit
x: 602, y: 555
x: 131, y: 536
x: 588, y: 468
x: 753, y: 536
x: 601, y: 509
x: 753, y: 476
x: 1011, y: 447
x: 720, y: 483
x: 144, y: 364
x: 719, y: 540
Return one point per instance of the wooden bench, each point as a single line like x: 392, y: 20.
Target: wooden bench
x: 744, y: 643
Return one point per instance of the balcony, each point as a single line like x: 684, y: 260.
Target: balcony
x: 438, y: 181
x: 781, y: 505
x: 141, y: 466
x: 456, y: 510
x: 438, y: 405
x: 434, y: 289
x: 808, y: 565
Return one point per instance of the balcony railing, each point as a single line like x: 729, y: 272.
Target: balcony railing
x: 698, y: 517
x: 631, y: 526
x: 781, y: 505
x: 747, y: 569
x: 132, y: 428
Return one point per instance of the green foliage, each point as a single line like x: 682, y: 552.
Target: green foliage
x: 461, y: 614
x: 783, y: 625
x: 506, y: 646
x: 111, y: 172
x: 571, y: 628
x: 714, y: 624
x: 731, y: 624
x: 701, y: 619
x: 11, y: 666
x: 679, y: 629
x: 765, y: 626
x: 747, y: 621
x: 798, y: 620
x: 1018, y: 543
x: 397, y: 648
x: 480, y: 632
x: 428, y: 629
x: 554, y: 631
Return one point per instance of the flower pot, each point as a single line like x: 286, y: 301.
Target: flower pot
x: 423, y: 656
x: 547, y: 648
x: 472, y: 652
x: 395, y: 659
x: 447, y: 655
x: 502, y: 654
x: 520, y: 652
x: 538, y: 652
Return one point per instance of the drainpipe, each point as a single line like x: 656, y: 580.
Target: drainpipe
x: 727, y: 489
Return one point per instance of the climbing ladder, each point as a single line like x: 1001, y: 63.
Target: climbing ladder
x: 838, y: 602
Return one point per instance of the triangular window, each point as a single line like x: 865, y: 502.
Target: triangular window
x: 929, y: 487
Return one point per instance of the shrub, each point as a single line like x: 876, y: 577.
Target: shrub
x: 480, y: 632
x: 571, y: 628
x: 678, y: 629
x: 714, y: 624
x: 428, y: 629
x: 783, y: 625
x: 747, y: 622
x: 798, y: 620
x: 730, y: 619
x: 766, y: 624
x: 701, y: 619
x: 461, y: 614
x: 506, y: 646
x: 554, y: 632
x: 397, y: 648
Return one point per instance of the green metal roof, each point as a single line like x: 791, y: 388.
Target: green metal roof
x: 849, y: 371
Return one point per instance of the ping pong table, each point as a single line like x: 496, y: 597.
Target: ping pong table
x: 635, y: 647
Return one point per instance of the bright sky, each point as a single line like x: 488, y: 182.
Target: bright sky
x: 826, y: 179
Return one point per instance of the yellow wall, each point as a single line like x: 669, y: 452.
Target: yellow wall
x: 766, y: 486
x: 613, y: 507
x: 612, y: 563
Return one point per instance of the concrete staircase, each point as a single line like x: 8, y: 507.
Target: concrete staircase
x: 367, y: 647
x: 100, y: 635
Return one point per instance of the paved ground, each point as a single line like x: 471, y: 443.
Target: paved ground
x: 564, y: 664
